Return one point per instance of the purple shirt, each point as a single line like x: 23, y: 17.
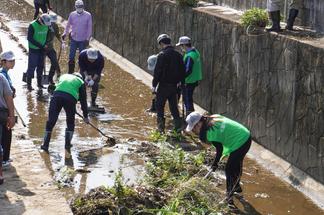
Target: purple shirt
x: 81, y: 25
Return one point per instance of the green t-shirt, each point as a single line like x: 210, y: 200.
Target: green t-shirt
x: 232, y: 135
x: 196, y: 74
x: 71, y: 84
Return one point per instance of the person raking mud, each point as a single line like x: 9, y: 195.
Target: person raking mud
x: 66, y: 93
x: 230, y: 139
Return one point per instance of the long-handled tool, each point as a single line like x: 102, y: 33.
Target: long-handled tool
x: 21, y: 119
x: 208, y: 173
x: 110, y: 139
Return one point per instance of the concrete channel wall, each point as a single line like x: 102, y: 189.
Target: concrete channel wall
x: 269, y: 82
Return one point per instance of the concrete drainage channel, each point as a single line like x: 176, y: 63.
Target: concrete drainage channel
x: 91, y: 164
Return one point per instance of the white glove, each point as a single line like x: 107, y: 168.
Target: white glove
x: 91, y: 83
x: 88, y: 78
x: 153, y: 89
x: 63, y: 45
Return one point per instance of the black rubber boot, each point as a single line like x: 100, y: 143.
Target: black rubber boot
x: 293, y: 13
x: 29, y: 85
x: 39, y: 83
x: 152, y: 108
x: 71, y: 66
x: 93, y: 99
x: 47, y: 139
x: 275, y: 18
x: 178, y: 125
x: 68, y: 138
x: 161, y: 124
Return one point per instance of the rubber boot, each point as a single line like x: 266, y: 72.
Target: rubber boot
x: 152, y: 108
x: 275, y: 18
x: 29, y: 85
x: 68, y: 138
x: 161, y: 124
x: 47, y: 139
x: 39, y: 83
x: 1, y: 176
x: 71, y: 66
x: 93, y: 99
x: 178, y: 125
x: 293, y: 13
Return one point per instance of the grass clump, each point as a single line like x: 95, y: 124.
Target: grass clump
x: 255, y: 17
x: 190, y: 3
x: 157, y: 137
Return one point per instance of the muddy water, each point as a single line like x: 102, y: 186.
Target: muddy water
x: 125, y: 100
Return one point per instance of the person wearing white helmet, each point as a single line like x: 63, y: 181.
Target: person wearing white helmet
x: 168, y: 73
x: 193, y: 72
x: 37, y: 35
x: 7, y: 62
x: 230, y: 138
x: 151, y: 63
x: 91, y: 63
x: 79, y: 27
x: 54, y: 31
x: 41, y: 4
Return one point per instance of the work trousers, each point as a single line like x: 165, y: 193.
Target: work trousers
x: 51, y: 54
x: 35, y: 61
x: 6, y: 142
x: 168, y: 93
x: 275, y: 5
x: 37, y: 7
x: 74, y: 45
x: 59, y: 101
x: 234, y: 165
x: 187, y: 94
x: 1, y: 149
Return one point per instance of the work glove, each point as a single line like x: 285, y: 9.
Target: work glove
x: 91, y: 83
x: 153, y: 89
x: 86, y: 120
x: 88, y: 78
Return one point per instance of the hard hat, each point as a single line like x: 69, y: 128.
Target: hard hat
x: 7, y: 55
x: 79, y: 4
x: 184, y: 40
x: 92, y: 54
x: 46, y: 19
x: 163, y: 37
x: 151, y: 62
x: 53, y: 17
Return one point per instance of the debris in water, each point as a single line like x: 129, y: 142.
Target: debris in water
x: 261, y: 195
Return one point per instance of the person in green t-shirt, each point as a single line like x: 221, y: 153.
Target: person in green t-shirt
x: 193, y: 72
x: 230, y: 139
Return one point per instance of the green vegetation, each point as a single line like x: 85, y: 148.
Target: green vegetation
x: 254, y: 17
x: 156, y: 137
x: 191, y: 3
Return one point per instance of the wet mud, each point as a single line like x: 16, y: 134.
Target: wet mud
x: 90, y: 163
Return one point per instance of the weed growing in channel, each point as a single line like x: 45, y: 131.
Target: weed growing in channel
x: 255, y: 17
x: 157, y: 137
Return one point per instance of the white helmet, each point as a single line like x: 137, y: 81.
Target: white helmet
x: 151, y: 62
x: 46, y: 19
x: 79, y: 4
x: 161, y: 37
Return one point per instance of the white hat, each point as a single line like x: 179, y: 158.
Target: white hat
x: 8, y: 55
x: 184, y: 40
x: 151, y: 62
x: 92, y: 54
x: 161, y: 37
x: 192, y: 119
x: 53, y: 17
x: 46, y: 19
x: 79, y: 4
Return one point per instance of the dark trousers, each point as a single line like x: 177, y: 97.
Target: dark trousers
x: 41, y: 6
x: 234, y: 165
x: 6, y: 142
x: 95, y: 86
x: 167, y: 93
x: 187, y: 94
x: 35, y: 61
x: 59, y: 101
x: 51, y: 54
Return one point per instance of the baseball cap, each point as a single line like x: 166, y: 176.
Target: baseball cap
x: 46, y: 19
x: 183, y: 41
x: 163, y: 37
x: 151, y: 62
x: 192, y: 119
x: 7, y: 55
x: 53, y: 17
x: 92, y: 54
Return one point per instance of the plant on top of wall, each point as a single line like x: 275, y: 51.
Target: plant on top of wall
x: 255, y: 17
x: 191, y: 3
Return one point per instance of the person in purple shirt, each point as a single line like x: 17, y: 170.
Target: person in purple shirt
x: 79, y: 27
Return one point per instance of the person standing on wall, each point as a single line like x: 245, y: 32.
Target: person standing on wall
x: 41, y: 4
x: 168, y: 73
x: 80, y: 23
x: 7, y: 110
x: 91, y: 63
x: 54, y: 31
x: 7, y: 62
x: 69, y: 90
x: 294, y: 7
x: 37, y: 34
x: 230, y: 138
x: 193, y: 72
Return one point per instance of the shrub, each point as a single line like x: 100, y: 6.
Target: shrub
x: 255, y: 17
x: 191, y: 3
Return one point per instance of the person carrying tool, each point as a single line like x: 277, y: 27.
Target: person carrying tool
x: 193, y: 72
x: 37, y: 34
x: 7, y: 62
x: 168, y: 73
x: 69, y: 89
x: 80, y: 22
x: 151, y: 62
x: 54, y: 31
x: 7, y: 117
x: 91, y: 63
x: 230, y: 139
x: 41, y: 4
